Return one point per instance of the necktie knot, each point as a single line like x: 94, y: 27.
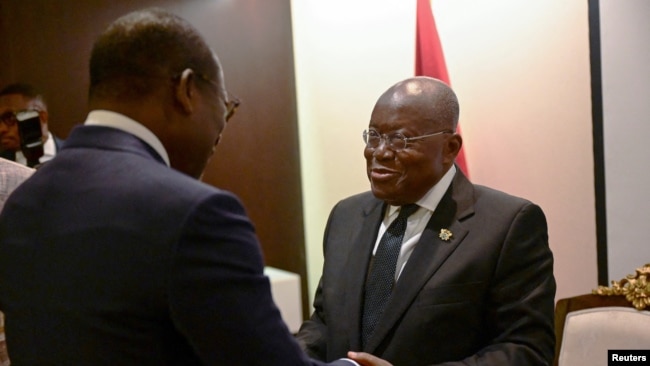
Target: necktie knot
x: 407, y: 210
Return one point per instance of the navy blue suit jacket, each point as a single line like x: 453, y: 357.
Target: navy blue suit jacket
x: 109, y: 257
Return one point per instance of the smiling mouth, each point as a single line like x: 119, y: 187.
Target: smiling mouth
x: 382, y: 174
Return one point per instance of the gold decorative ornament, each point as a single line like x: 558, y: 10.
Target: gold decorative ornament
x: 635, y: 288
x: 445, y: 234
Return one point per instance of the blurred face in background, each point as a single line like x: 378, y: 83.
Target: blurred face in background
x: 9, y: 105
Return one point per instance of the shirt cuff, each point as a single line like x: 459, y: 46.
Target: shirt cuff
x: 351, y: 361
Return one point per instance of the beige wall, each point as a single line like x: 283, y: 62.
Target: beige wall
x: 521, y: 72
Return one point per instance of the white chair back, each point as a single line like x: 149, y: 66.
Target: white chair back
x: 589, y: 334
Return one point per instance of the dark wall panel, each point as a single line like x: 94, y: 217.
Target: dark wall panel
x: 48, y: 43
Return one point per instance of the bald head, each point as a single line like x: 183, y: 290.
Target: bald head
x: 411, y: 139
x: 426, y: 98
x: 142, y: 50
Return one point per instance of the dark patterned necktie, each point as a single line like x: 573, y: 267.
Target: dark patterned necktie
x: 381, y: 278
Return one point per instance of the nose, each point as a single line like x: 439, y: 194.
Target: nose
x: 382, y: 151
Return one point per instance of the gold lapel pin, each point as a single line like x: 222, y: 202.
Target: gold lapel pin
x: 445, y: 234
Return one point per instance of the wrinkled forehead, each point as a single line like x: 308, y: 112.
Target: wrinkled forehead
x: 388, y: 117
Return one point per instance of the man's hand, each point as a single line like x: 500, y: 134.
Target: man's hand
x: 366, y: 359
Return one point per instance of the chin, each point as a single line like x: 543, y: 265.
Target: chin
x: 9, y: 147
x: 384, y: 196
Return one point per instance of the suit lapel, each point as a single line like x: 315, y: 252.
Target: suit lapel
x: 428, y: 255
x: 357, y: 266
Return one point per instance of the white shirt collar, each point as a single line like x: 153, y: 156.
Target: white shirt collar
x: 126, y: 124
x: 49, y: 148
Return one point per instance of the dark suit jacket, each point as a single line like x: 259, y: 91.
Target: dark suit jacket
x: 109, y: 257
x: 484, y: 297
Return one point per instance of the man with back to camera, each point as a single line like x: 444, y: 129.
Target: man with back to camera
x: 19, y: 97
x: 108, y: 256
x: 464, y: 277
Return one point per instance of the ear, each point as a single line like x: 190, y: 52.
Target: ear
x: 43, y: 116
x: 185, y: 91
x: 452, y: 148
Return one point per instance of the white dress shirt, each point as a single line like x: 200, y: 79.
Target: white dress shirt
x: 417, y: 221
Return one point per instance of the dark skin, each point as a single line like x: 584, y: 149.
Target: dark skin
x: 413, y: 107
x: 187, y: 120
x: 169, y: 113
x: 9, y: 136
x: 366, y: 359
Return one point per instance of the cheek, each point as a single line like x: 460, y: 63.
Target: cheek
x: 218, y: 124
x: 13, y: 131
x: 367, y: 153
x: 207, y: 147
x: 211, y: 128
x: 11, y: 139
x: 416, y: 169
x: 425, y: 175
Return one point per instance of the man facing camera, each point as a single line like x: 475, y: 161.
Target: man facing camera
x: 20, y: 97
x: 114, y: 253
x: 428, y: 268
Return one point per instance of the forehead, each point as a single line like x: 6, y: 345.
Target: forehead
x: 13, y: 102
x: 398, y: 115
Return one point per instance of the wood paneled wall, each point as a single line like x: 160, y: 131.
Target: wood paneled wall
x: 48, y: 43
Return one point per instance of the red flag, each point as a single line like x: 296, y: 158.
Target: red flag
x: 429, y: 59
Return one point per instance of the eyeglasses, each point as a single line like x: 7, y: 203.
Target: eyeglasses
x: 10, y: 118
x: 395, y: 141
x: 231, y: 105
